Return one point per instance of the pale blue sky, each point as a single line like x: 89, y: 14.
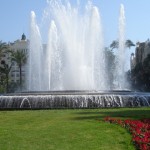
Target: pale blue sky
x: 15, y: 16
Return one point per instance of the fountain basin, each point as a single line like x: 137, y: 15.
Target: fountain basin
x: 74, y: 100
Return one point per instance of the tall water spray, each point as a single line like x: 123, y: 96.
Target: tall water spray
x: 35, y: 56
x: 74, y: 57
x: 120, y: 71
x: 53, y: 60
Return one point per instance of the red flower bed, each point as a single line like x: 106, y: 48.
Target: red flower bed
x: 140, y: 130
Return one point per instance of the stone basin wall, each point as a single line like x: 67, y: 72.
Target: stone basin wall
x: 73, y: 101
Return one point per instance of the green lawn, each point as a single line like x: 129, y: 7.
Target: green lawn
x: 79, y: 129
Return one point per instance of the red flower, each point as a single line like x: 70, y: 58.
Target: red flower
x: 140, y: 130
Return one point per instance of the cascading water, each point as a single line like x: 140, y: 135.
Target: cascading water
x: 74, y: 58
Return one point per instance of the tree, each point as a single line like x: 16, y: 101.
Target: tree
x: 141, y: 75
x: 20, y: 57
x: 3, y: 48
x: 3, y: 67
x: 110, y: 66
x: 129, y: 43
x: 114, y: 44
x: 4, y: 74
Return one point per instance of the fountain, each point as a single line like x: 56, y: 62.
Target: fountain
x: 70, y: 72
x: 74, y: 57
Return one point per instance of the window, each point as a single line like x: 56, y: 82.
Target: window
x: 13, y: 63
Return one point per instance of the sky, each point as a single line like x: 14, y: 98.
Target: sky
x: 15, y: 18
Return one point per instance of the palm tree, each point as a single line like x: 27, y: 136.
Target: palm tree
x: 20, y: 57
x: 114, y: 44
x: 129, y: 43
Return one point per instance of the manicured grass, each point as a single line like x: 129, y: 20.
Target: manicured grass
x: 80, y: 129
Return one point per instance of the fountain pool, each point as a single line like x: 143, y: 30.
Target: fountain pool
x: 74, y: 99
x: 71, y: 72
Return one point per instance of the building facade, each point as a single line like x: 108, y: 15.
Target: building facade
x: 6, y: 61
x: 19, y: 45
x: 141, y: 52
